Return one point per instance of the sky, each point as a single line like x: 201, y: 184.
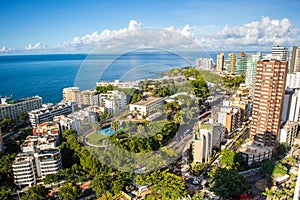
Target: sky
x: 35, y: 26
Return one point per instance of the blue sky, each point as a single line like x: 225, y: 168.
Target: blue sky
x: 55, y: 22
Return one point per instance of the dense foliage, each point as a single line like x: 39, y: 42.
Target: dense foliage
x: 228, y: 184
x: 69, y: 191
x: 230, y: 82
x: 145, y: 144
x: 104, y: 89
x: 37, y: 192
x: 231, y: 159
x: 164, y: 185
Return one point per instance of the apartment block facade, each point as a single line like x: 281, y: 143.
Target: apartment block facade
x: 268, y: 97
x: 11, y: 109
x: 48, y: 111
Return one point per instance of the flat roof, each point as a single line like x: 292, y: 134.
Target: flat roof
x: 147, y: 101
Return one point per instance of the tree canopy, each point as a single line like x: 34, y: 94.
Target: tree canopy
x: 228, y: 184
x: 164, y: 185
x: 104, y: 89
x: 231, y: 159
x: 69, y: 191
x: 37, y: 192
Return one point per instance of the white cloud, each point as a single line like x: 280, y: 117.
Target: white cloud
x: 95, y: 37
x: 4, y: 49
x: 262, y: 34
x: 259, y: 34
x: 36, y: 46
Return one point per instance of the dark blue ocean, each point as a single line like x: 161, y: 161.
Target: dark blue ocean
x: 46, y: 75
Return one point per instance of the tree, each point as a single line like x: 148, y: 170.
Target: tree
x: 104, y: 89
x: 197, y: 169
x: 37, y: 192
x: 50, y: 179
x: 101, y: 184
x: 23, y: 118
x: 6, y: 193
x: 228, y: 184
x: 6, y: 162
x: 231, y: 159
x: 69, y: 191
x: 164, y: 185
x: 267, y: 167
x: 280, y: 169
x: 178, y: 119
x: 115, y: 125
x: 7, y: 124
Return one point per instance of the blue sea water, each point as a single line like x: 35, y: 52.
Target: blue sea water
x: 46, y: 75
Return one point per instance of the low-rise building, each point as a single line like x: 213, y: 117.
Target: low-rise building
x: 77, y: 120
x: 120, y: 84
x: 146, y: 107
x: 230, y: 118
x: 253, y: 152
x: 13, y: 108
x: 48, y: 111
x: 46, y: 128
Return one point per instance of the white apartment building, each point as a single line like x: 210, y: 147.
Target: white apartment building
x: 11, y: 108
x: 71, y: 94
x: 293, y: 80
x: 294, y: 111
x: 48, y: 161
x: 39, y: 157
x: 23, y: 169
x: 89, y: 97
x: 205, y: 64
x: 120, y: 84
x: 146, y: 106
x: 114, y: 101
x: 280, y: 53
x: 288, y: 132
x: 251, y: 70
x: 48, y: 111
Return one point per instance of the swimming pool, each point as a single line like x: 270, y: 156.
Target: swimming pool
x: 108, y: 131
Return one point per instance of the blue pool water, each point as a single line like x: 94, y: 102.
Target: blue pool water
x: 108, y: 131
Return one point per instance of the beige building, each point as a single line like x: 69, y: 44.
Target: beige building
x: 220, y: 62
x: 202, y: 143
x: 71, y: 94
x: 146, y: 107
x: 269, y: 91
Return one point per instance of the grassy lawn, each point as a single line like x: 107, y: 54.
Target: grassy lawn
x: 96, y: 139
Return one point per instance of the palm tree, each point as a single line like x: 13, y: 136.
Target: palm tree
x: 115, y: 125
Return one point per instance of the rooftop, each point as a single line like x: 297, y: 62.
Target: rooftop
x: 252, y: 148
x: 147, y: 101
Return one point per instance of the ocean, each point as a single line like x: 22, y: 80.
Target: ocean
x: 46, y: 75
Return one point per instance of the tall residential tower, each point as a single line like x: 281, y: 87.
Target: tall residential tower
x: 269, y: 91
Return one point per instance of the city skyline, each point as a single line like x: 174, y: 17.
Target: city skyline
x: 77, y: 26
